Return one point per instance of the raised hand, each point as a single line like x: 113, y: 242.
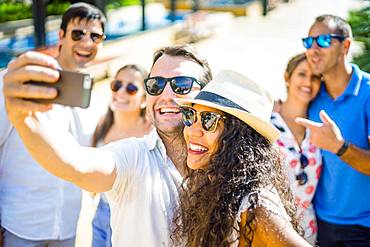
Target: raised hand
x: 325, y: 135
x: 29, y: 66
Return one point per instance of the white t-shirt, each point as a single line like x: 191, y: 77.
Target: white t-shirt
x: 34, y: 204
x: 145, y: 193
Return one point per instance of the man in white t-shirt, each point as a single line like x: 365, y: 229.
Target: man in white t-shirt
x: 141, y: 175
x: 37, y: 208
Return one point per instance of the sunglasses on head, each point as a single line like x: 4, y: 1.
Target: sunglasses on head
x: 209, y: 120
x: 180, y: 84
x: 302, y: 177
x: 131, y: 88
x: 323, y: 40
x: 79, y: 34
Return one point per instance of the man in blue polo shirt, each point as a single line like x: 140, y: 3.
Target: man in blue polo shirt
x: 340, y: 126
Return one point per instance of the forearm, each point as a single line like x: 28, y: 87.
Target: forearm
x: 55, y: 150
x: 357, y: 158
x: 275, y: 231
x: 59, y: 153
x: 286, y: 236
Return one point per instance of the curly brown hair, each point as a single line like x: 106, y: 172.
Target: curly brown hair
x: 210, y: 199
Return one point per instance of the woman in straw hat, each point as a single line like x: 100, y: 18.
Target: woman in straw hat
x: 237, y: 193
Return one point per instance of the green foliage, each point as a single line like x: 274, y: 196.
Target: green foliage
x: 18, y: 10
x: 363, y: 61
x: 114, y: 4
x: 360, y: 23
x: 12, y: 10
x: 57, y: 8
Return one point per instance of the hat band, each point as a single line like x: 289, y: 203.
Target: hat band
x: 219, y: 100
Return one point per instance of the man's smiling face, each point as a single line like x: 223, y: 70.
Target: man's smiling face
x: 162, y: 111
x: 76, y: 54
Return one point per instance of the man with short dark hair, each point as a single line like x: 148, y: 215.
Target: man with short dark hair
x: 37, y: 208
x: 141, y: 175
x: 342, y: 130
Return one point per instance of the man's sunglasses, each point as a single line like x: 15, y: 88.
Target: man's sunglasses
x: 180, y: 84
x: 323, y: 40
x: 79, y: 34
x: 131, y: 88
x: 209, y: 120
x: 302, y: 177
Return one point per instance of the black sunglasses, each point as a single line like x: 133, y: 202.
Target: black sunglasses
x: 131, y: 88
x: 323, y: 40
x: 180, y: 84
x: 79, y: 34
x: 209, y: 119
x: 302, y: 177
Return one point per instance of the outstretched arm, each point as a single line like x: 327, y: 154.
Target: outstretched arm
x: 57, y: 151
x: 327, y: 136
x: 272, y: 230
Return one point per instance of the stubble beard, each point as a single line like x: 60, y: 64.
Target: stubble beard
x: 173, y: 135
x: 175, y: 144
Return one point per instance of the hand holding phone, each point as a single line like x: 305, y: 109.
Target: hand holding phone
x: 74, y: 89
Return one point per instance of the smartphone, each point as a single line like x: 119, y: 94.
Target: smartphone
x: 74, y: 89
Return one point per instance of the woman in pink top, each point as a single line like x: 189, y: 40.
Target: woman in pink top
x: 302, y: 160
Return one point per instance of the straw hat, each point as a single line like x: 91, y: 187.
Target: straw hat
x: 241, y: 97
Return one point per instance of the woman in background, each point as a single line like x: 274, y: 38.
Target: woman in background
x: 302, y: 159
x: 125, y: 118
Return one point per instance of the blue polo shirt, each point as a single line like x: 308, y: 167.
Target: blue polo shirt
x: 343, y: 193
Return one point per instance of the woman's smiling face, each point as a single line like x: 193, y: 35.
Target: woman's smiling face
x: 202, y: 144
x: 124, y: 101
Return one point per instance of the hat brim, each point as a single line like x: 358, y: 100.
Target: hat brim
x: 262, y: 127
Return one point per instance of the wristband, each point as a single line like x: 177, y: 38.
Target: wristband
x: 342, y: 149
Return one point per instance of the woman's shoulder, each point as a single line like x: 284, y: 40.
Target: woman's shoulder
x: 277, y: 106
x: 276, y: 118
x: 266, y: 198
